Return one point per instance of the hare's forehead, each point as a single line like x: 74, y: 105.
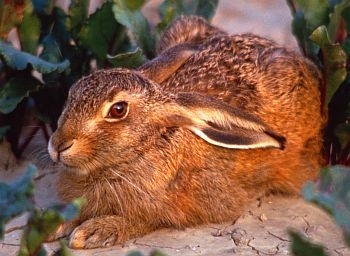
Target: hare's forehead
x: 90, y: 93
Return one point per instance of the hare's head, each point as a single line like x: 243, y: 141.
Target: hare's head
x: 113, y: 117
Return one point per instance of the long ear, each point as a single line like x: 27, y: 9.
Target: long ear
x: 165, y: 64
x: 220, y: 124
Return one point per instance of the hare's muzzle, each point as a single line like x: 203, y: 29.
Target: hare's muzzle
x: 56, y: 148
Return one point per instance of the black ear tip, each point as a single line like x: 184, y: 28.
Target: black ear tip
x: 280, y: 139
x: 282, y: 142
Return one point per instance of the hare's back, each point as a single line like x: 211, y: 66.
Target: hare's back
x: 255, y: 74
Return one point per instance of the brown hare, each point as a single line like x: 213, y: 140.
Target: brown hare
x: 191, y: 137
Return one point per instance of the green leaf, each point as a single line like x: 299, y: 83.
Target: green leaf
x: 332, y: 193
x: 137, y: 24
x: 71, y: 210
x: 309, y: 15
x: 202, y: 8
x: 302, y: 34
x: 134, y: 5
x: 51, y: 53
x: 315, y: 12
x: 15, y: 90
x: 43, y: 222
x: 43, y: 6
x: 78, y: 13
x: 102, y: 41
x: 19, y: 60
x: 335, y: 18
x: 63, y: 251
x: 152, y: 253
x: 128, y: 60
x: 29, y: 30
x: 206, y: 9
x: 320, y: 36
x: 16, y: 197
x: 59, y: 28
x: 334, y: 61
x: 301, y: 247
x: 170, y: 9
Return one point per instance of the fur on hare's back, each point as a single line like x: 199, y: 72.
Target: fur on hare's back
x: 190, y: 137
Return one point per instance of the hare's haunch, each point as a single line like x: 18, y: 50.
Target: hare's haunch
x: 190, y: 137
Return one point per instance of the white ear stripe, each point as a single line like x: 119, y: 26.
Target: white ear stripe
x: 268, y: 141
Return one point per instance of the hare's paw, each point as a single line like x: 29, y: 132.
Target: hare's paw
x: 97, y: 232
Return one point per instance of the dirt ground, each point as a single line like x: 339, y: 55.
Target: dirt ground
x: 262, y: 230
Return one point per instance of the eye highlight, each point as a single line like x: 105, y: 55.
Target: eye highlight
x: 118, y: 110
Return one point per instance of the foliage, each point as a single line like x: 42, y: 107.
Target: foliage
x: 322, y: 29
x: 300, y: 246
x: 332, y: 194
x: 61, y: 47
x: 152, y: 253
x: 17, y: 198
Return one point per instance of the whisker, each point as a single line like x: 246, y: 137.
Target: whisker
x: 119, y: 202
x: 130, y: 183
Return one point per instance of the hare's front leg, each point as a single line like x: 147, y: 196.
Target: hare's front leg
x: 104, y: 231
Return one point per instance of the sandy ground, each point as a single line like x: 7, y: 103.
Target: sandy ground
x: 262, y: 230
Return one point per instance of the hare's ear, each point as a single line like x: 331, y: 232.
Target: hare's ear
x: 220, y: 124
x: 165, y: 64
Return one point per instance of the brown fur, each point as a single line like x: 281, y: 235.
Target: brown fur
x: 150, y: 170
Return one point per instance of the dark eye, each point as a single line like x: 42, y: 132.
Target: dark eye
x: 118, y: 110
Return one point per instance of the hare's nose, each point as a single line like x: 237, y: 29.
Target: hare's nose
x: 55, y: 151
x: 65, y: 145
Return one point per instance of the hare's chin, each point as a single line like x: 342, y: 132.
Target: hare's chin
x: 75, y: 170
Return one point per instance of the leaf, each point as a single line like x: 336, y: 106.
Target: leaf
x: 320, y: 36
x: 128, y: 60
x: 59, y: 28
x: 334, y: 61
x: 51, y: 53
x: 315, y: 12
x: 134, y: 5
x: 78, y: 13
x: 106, y: 40
x: 29, y: 30
x: 15, y: 197
x: 206, y: 9
x: 43, y: 6
x: 171, y: 9
x: 152, y: 253
x: 15, y: 90
x: 19, y: 60
x: 309, y: 15
x: 332, y: 193
x: 301, y: 247
x: 137, y: 24
x: 71, y: 210
x: 63, y: 251
x: 43, y: 222
x: 335, y: 18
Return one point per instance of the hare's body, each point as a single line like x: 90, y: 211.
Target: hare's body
x: 200, y: 137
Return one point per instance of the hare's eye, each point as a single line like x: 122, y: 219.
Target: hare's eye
x: 118, y: 110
